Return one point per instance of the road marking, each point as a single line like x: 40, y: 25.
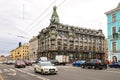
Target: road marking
x: 11, y: 72
x: 6, y: 70
x: 70, y: 70
x: 40, y: 77
x: 112, y: 71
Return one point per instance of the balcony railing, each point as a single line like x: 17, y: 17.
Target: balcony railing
x: 117, y: 51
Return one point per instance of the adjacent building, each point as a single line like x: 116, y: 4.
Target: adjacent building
x: 113, y: 27
x: 21, y: 52
x: 2, y: 58
x: 76, y: 42
x: 105, y: 49
x: 33, y: 47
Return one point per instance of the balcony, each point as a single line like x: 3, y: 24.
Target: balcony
x: 52, y: 49
x: 53, y: 37
x: 116, y: 51
x: 114, y: 37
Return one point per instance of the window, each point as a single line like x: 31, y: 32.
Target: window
x: 115, y: 35
x: 113, y: 17
x: 114, y: 46
x: 119, y: 29
x: 113, y: 29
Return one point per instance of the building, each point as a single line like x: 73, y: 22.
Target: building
x: 2, y: 58
x: 113, y: 26
x: 33, y: 47
x: 105, y: 49
x: 21, y: 52
x: 76, y: 42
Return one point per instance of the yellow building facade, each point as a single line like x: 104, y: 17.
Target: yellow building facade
x: 21, y: 52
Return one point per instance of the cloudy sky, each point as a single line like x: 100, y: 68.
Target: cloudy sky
x: 22, y: 19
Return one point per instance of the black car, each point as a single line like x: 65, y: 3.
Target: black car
x: 94, y: 64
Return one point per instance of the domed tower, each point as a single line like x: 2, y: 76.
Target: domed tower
x: 54, y: 18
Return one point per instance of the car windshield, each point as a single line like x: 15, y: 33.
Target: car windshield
x: 46, y: 64
x: 98, y: 61
x: 20, y: 62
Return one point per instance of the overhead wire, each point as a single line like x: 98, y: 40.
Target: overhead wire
x: 46, y: 15
x: 30, y: 26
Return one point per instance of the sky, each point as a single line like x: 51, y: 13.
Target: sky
x: 20, y: 20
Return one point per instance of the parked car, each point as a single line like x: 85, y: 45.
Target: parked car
x: 10, y: 62
x: 94, y: 64
x: 28, y: 62
x: 19, y: 63
x: 45, y: 67
x: 33, y: 61
x: 115, y: 65
x: 78, y: 63
x: 5, y: 62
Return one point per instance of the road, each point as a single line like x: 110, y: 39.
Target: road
x: 67, y: 72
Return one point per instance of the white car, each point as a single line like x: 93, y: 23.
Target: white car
x: 45, y: 67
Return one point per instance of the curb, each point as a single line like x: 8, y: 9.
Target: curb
x: 1, y: 78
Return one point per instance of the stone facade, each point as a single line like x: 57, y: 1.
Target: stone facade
x: 33, y: 47
x: 77, y: 42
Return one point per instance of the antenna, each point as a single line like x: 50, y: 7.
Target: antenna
x: 23, y: 11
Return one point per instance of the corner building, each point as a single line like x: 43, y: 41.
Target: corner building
x: 113, y: 28
x: 76, y: 42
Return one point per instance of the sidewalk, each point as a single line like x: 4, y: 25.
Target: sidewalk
x: 1, y: 78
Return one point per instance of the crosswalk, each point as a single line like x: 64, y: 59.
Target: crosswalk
x: 28, y: 70
x: 13, y: 70
x: 31, y: 69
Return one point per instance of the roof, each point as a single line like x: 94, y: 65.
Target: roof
x: 114, y: 10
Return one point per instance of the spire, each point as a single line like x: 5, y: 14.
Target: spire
x: 54, y: 18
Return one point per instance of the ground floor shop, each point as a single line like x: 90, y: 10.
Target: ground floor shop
x: 73, y: 55
x: 113, y: 57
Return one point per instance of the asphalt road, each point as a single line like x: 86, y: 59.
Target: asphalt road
x: 67, y: 72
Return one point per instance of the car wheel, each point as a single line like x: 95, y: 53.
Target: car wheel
x: 35, y: 70
x: 105, y: 67
x: 42, y: 72
x: 93, y: 67
x: 82, y: 66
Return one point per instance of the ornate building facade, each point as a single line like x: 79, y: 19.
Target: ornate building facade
x: 77, y: 42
